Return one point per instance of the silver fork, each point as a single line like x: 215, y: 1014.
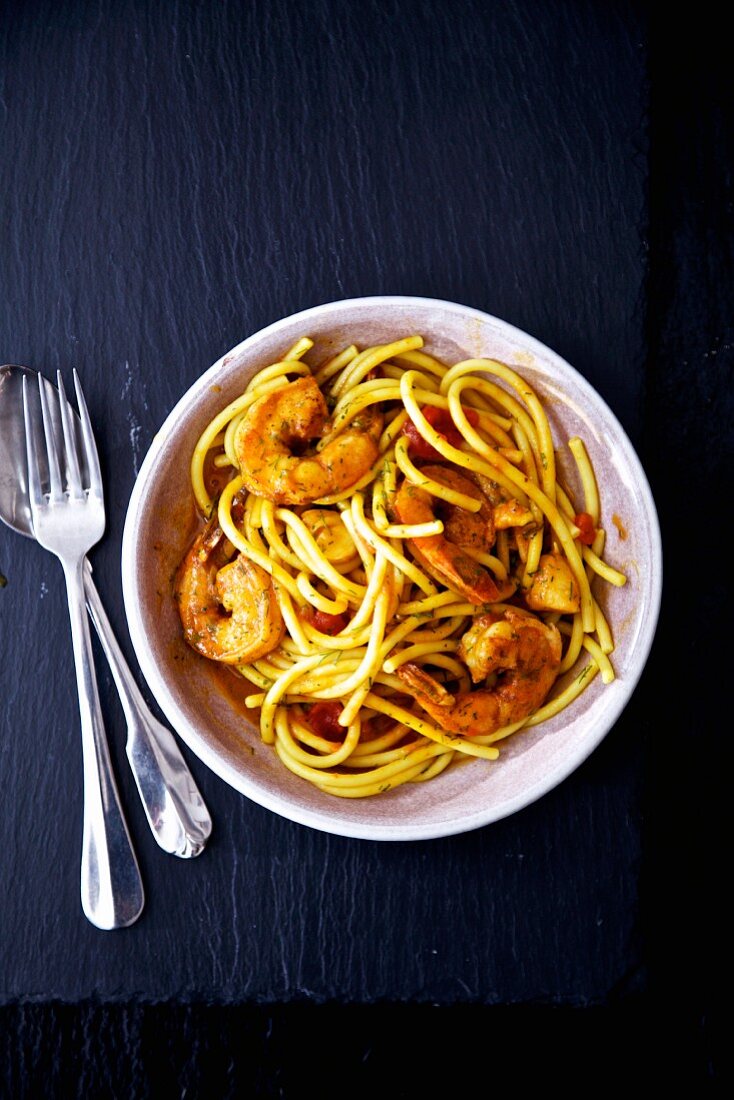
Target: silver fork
x: 68, y: 519
x: 175, y: 809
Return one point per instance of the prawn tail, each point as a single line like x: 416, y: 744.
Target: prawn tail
x: 424, y: 688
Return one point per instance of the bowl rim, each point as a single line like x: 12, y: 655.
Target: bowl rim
x: 279, y: 804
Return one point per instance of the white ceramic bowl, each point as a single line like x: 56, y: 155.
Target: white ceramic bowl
x: 161, y: 520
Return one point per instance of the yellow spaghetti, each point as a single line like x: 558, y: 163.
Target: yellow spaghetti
x: 392, y: 563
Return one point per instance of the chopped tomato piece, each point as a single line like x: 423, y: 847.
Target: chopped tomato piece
x: 441, y: 420
x: 323, y: 718
x: 329, y: 624
x: 585, y: 524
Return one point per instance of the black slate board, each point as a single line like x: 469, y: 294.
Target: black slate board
x: 180, y: 175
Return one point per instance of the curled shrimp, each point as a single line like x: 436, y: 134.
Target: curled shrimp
x: 229, y: 609
x: 278, y: 428
x: 526, y: 654
x: 444, y: 556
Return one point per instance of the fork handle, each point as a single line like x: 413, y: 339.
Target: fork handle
x: 111, y: 887
x: 173, y: 804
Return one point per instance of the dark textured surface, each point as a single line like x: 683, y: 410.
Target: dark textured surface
x: 150, y: 1052
x: 181, y: 175
x: 174, y: 177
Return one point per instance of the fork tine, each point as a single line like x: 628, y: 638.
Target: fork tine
x: 70, y: 444
x: 90, y: 447
x: 34, y: 476
x: 54, y: 471
x: 57, y: 432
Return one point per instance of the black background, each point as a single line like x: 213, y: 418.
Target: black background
x: 174, y: 176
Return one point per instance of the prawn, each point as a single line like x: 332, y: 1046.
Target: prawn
x: 523, y: 650
x: 229, y: 609
x: 444, y: 556
x: 276, y: 430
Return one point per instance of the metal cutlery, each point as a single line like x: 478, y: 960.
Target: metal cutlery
x: 68, y: 519
x: 176, y: 812
x: 174, y: 807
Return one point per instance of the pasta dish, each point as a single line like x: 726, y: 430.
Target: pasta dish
x: 391, y: 561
